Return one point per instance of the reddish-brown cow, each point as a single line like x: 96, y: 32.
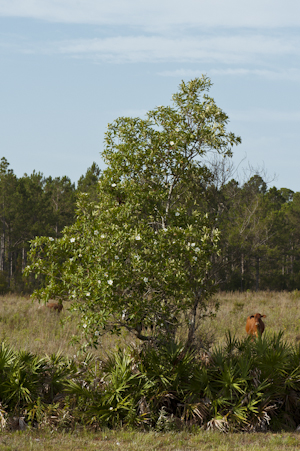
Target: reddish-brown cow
x: 255, y: 326
x: 55, y: 306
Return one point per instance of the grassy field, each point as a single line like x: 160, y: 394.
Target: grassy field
x: 30, y: 326
x: 150, y: 441
x: 27, y: 325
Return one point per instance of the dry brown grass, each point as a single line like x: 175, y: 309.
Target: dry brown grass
x: 31, y: 326
x: 26, y: 324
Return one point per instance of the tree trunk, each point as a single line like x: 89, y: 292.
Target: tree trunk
x: 242, y: 272
x: 2, y: 253
x: 24, y: 259
x: 257, y: 273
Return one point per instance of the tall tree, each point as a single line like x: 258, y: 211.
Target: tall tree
x: 8, y: 182
x: 60, y: 192
x: 142, y: 252
x: 88, y: 183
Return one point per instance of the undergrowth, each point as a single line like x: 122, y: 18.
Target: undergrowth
x: 247, y: 385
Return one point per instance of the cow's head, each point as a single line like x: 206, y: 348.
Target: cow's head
x: 257, y: 317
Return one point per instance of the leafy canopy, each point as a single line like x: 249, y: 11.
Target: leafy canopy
x: 141, y: 253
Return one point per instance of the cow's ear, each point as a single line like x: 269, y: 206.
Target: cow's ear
x: 252, y: 316
x: 263, y: 316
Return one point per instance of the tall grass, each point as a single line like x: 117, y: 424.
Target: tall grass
x: 28, y: 325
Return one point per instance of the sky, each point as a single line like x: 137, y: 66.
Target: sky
x: 70, y: 67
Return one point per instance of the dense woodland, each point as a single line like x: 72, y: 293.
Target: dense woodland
x: 260, y: 227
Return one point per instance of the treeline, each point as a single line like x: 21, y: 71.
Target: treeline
x: 260, y: 226
x: 260, y: 241
x: 32, y: 206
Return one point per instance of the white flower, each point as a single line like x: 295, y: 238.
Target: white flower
x: 111, y: 408
x: 116, y: 257
x: 177, y: 129
x: 51, y: 238
x: 195, y: 258
x: 177, y: 213
x: 110, y: 282
x: 171, y: 143
x: 102, y: 236
x: 164, y: 229
x: 84, y: 326
x: 96, y: 232
x: 88, y: 294
x: 137, y: 257
x: 105, y: 274
x: 72, y: 240
x: 193, y: 244
x: 97, y: 333
x: 99, y: 281
x: 79, y: 255
x: 138, y: 237
x: 113, y: 185
x: 145, y: 279
x: 71, y: 259
x: 197, y: 249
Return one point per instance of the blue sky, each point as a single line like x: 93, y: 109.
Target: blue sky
x: 69, y: 67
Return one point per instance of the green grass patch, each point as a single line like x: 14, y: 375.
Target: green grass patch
x: 150, y: 441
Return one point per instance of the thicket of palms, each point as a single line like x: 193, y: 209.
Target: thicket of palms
x: 249, y: 385
x: 245, y: 385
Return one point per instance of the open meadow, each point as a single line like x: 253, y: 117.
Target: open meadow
x: 27, y: 325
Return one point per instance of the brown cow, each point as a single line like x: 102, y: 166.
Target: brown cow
x: 55, y: 306
x: 255, y: 325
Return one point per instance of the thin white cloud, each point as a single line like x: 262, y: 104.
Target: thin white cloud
x: 289, y: 74
x: 223, y: 49
x: 275, y: 74
x: 159, y: 14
